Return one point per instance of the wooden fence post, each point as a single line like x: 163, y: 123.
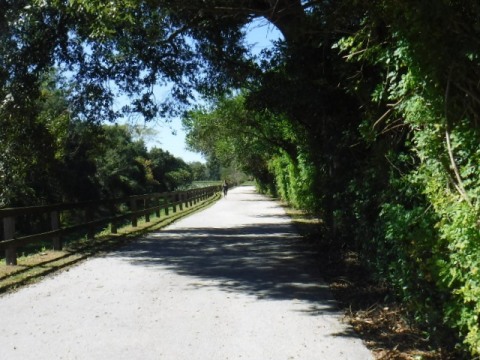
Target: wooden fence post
x: 55, y: 223
x: 165, y: 201
x: 9, y: 233
x: 181, y: 195
x: 157, y: 206
x: 113, y: 224
x: 90, y: 228
x: 145, y: 206
x: 113, y: 227
x: 175, y: 200
x: 133, y: 209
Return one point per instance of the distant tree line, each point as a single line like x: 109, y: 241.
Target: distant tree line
x: 366, y: 113
x: 57, y: 157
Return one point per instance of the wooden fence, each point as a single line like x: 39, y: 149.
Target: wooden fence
x: 92, y: 215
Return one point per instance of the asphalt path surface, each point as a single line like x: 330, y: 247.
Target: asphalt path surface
x: 231, y: 282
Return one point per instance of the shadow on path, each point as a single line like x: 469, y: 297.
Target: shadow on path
x: 264, y: 260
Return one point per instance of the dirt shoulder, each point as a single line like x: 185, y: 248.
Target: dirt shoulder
x: 383, y: 325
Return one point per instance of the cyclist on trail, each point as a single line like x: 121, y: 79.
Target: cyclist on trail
x: 225, y: 188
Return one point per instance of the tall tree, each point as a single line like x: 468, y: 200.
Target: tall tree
x: 381, y: 98
x: 169, y: 172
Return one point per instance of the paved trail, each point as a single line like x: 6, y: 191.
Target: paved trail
x: 231, y: 282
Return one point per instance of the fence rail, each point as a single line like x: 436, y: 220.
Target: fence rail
x: 94, y: 214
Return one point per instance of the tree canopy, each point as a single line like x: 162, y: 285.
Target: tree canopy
x: 366, y: 113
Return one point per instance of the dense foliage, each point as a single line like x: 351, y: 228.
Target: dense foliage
x: 366, y: 113
x: 49, y: 156
x: 382, y: 134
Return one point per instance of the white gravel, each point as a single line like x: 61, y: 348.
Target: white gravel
x: 231, y: 282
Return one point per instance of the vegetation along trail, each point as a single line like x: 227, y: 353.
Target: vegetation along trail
x: 231, y: 282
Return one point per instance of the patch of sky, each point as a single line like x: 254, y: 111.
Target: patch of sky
x: 168, y: 133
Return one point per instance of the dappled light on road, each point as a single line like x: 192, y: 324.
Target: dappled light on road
x: 264, y: 260
x: 233, y: 281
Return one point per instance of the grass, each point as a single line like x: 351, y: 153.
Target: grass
x: 33, y: 267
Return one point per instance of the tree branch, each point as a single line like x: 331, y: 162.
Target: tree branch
x: 459, y: 185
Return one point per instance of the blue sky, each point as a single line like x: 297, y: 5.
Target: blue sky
x: 170, y: 136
